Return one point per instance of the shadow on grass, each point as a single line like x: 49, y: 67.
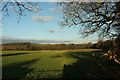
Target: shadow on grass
x: 97, y: 51
x: 13, y: 54
x: 86, y: 67
x: 85, y: 55
x: 17, y: 71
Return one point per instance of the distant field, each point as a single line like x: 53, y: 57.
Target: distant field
x: 52, y: 64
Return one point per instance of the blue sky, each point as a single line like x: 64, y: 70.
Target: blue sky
x: 41, y: 26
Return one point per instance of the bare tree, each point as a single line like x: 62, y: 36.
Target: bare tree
x: 91, y: 17
x: 102, y: 18
x: 20, y: 8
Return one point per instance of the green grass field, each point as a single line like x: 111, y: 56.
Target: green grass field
x: 52, y: 64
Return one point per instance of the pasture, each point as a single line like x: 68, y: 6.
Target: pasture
x: 60, y: 64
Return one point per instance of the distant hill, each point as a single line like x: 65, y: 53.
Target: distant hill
x: 35, y: 46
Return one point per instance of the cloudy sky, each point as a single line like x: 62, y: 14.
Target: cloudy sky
x: 41, y: 27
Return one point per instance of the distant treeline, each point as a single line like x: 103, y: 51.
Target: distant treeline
x: 33, y: 46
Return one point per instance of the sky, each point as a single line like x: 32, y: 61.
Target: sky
x: 41, y: 27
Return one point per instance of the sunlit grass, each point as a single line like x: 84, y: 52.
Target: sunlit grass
x: 53, y: 64
x: 48, y: 64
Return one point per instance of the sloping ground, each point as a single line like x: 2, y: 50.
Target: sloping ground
x: 57, y: 65
x: 34, y: 64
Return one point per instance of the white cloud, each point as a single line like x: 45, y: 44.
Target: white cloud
x: 64, y: 0
x: 53, y: 0
x: 42, y: 18
x: 34, y: 8
x: 5, y: 37
x: 12, y: 40
x: 55, y: 10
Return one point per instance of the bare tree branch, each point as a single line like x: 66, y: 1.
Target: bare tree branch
x: 20, y: 8
x: 92, y: 17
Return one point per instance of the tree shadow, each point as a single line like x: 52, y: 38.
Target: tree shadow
x: 86, y: 55
x: 17, y: 70
x: 85, y: 68
x: 3, y: 55
x: 97, y: 51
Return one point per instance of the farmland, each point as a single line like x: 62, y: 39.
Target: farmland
x: 57, y: 64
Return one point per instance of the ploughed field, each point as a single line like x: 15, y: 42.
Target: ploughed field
x: 80, y: 64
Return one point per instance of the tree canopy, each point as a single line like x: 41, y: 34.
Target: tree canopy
x: 92, y: 17
x: 102, y: 18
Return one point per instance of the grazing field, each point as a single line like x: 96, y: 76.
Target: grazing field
x: 55, y: 64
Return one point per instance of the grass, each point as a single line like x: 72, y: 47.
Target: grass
x: 52, y: 64
x: 40, y: 64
